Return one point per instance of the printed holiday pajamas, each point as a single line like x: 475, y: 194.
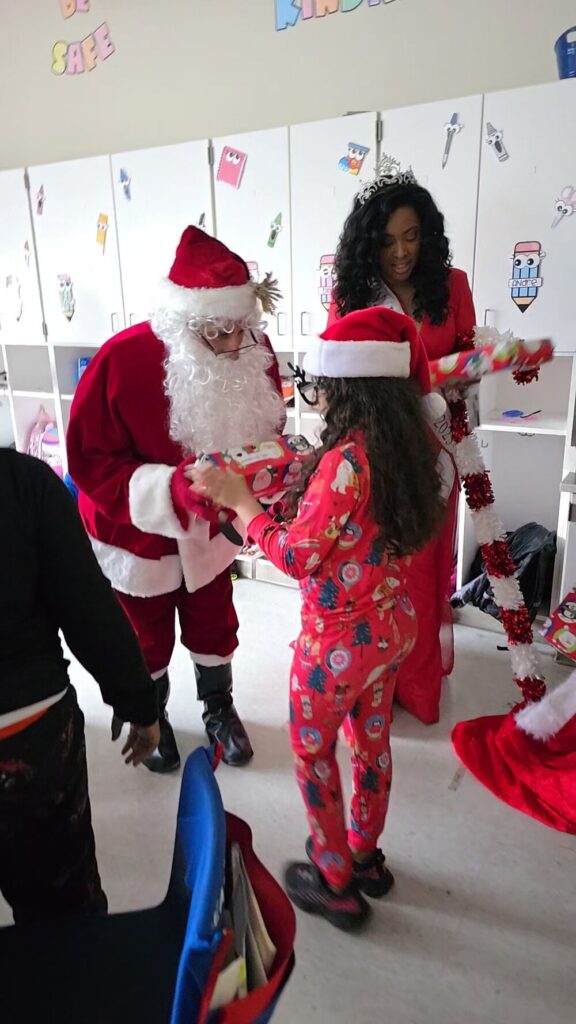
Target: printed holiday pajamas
x: 357, y: 625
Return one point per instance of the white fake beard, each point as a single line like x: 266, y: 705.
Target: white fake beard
x: 216, y: 402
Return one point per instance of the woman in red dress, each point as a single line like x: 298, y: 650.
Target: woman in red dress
x: 393, y: 252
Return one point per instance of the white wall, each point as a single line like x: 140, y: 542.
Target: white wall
x: 192, y: 68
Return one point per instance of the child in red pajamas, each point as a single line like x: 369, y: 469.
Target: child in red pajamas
x: 372, y: 498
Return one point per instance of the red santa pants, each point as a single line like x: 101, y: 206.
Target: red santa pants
x: 208, y: 623
x: 346, y: 675
x: 419, y: 680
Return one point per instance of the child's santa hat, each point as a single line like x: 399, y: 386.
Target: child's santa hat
x: 375, y: 342
x: 208, y: 280
x: 528, y: 758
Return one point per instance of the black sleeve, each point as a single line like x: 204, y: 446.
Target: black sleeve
x: 82, y: 604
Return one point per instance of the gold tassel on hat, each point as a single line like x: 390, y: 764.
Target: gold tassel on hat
x: 268, y: 293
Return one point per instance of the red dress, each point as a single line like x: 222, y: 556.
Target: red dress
x: 428, y: 576
x: 357, y: 625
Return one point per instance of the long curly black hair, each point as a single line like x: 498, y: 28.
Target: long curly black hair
x: 357, y: 263
x: 405, y: 485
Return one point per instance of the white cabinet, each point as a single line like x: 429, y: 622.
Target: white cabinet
x: 73, y: 211
x: 329, y: 162
x: 441, y: 142
x: 20, y: 307
x: 157, y: 193
x: 252, y: 196
x: 525, y: 245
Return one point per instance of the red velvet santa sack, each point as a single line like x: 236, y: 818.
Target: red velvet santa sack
x: 527, y: 758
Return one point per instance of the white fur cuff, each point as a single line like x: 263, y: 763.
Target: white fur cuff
x: 151, y: 508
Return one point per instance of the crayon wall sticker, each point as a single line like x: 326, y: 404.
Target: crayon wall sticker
x: 327, y: 280
x: 352, y: 162
x: 102, y: 230
x: 275, y: 229
x: 494, y: 139
x: 202, y: 222
x: 451, y: 128
x: 40, y: 200
x: 565, y: 206
x: 67, y: 301
x: 526, y: 282
x: 231, y: 166
x: 125, y: 181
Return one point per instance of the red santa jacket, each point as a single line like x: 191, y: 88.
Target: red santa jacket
x: 122, y: 460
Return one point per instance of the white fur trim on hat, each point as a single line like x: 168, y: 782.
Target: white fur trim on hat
x: 357, y: 358
x: 234, y: 302
x: 546, y: 717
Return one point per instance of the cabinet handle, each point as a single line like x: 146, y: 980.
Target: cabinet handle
x: 303, y: 330
x: 489, y: 318
x: 281, y: 324
x: 115, y: 322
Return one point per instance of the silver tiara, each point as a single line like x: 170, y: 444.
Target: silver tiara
x: 388, y: 173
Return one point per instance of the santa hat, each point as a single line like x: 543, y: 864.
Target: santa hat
x: 527, y: 758
x: 208, y: 280
x: 375, y: 342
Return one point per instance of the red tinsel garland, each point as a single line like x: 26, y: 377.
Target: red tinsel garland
x: 496, y: 554
x: 526, y: 376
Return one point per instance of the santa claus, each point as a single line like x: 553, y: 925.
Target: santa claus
x: 200, y: 377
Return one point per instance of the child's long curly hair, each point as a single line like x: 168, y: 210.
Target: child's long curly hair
x: 405, y: 485
x: 357, y: 263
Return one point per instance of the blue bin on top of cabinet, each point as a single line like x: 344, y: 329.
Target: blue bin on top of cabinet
x: 565, y: 48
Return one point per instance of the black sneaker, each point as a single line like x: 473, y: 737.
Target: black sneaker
x: 309, y: 892
x: 372, y: 878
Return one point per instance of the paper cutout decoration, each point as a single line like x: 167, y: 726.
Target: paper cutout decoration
x: 494, y: 139
x: 352, y: 163
x: 275, y: 229
x: 452, y: 128
x: 40, y: 200
x: 231, y: 166
x: 15, y: 301
x: 253, y: 270
x: 102, y: 231
x: 565, y: 205
x: 125, y: 181
x: 526, y: 282
x: 327, y: 280
x: 67, y: 300
x: 201, y: 221
x: 27, y: 254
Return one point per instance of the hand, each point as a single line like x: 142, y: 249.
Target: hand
x: 141, y: 742
x: 222, y: 486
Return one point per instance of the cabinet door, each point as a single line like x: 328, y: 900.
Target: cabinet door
x: 441, y: 142
x: 329, y: 161
x: 252, y: 192
x: 527, y: 214
x: 73, y: 211
x: 20, y: 309
x: 157, y: 193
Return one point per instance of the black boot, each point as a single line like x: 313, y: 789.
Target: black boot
x: 166, y: 758
x: 220, y: 717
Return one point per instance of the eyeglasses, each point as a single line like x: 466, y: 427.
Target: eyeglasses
x: 210, y: 328
x: 307, y: 389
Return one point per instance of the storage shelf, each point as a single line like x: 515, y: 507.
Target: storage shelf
x: 33, y: 394
x: 66, y: 398
x: 542, y: 424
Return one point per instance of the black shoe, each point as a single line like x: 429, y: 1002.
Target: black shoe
x: 372, y: 878
x: 224, y: 727
x: 309, y: 892
x: 166, y: 758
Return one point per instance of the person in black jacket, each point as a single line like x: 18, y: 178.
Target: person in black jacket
x: 50, y: 581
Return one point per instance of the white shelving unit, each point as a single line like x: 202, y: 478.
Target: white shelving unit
x: 110, y: 225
